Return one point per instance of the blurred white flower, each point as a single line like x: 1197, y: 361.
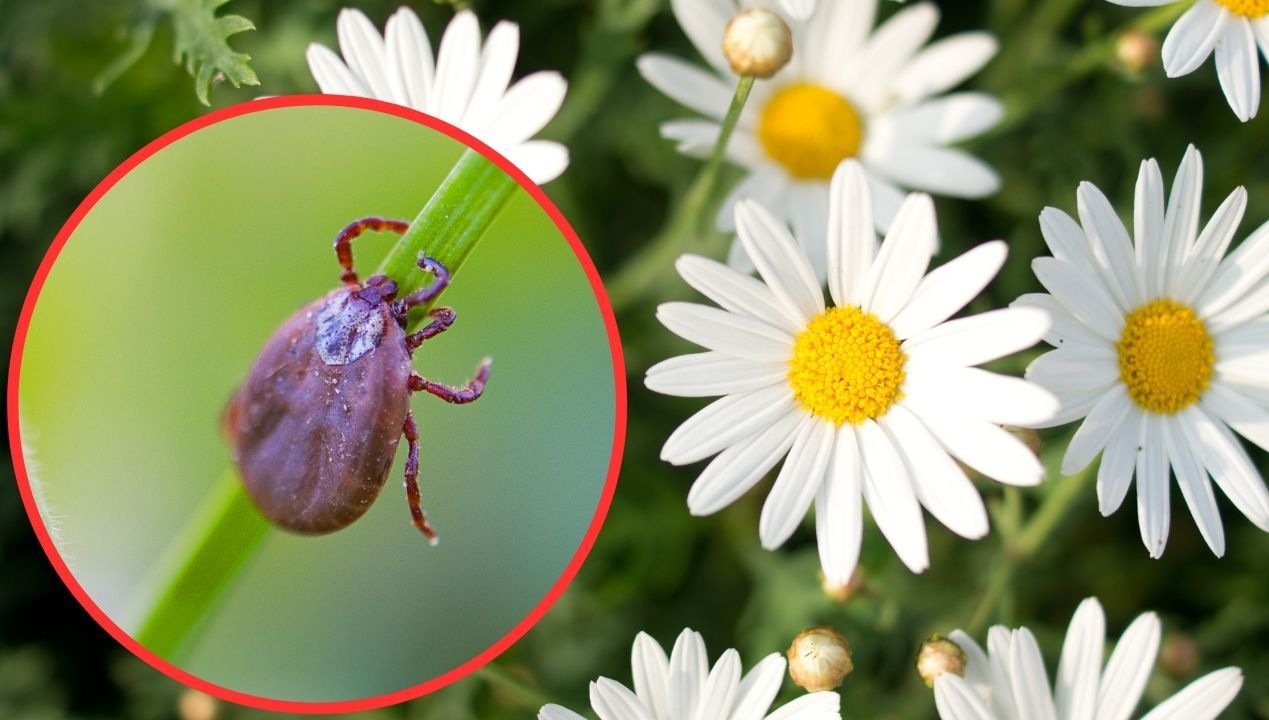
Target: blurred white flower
x: 682, y: 687
x: 869, y: 398
x: 1231, y: 28
x: 1009, y: 681
x: 849, y: 92
x: 1162, y: 345
x: 467, y: 86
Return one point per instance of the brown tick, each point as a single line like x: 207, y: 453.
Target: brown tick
x: 315, y: 426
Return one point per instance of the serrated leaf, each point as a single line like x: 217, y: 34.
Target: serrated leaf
x: 201, y: 44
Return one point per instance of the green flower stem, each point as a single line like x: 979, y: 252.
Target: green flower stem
x: 227, y: 529
x: 686, y: 226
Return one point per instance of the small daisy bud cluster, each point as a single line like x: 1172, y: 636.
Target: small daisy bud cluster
x: 937, y: 656
x: 819, y: 659
x: 757, y: 42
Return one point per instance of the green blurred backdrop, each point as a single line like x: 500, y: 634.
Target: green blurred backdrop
x: 159, y: 302
x: 1075, y: 112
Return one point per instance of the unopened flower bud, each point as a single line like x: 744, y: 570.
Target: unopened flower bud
x: 194, y: 705
x: 757, y: 42
x: 939, y: 655
x: 843, y: 592
x: 1179, y: 656
x: 1136, y: 50
x: 819, y: 659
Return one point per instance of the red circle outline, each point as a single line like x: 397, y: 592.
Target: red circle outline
x: 556, y: 589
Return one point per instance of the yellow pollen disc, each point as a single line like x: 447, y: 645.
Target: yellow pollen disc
x: 1247, y: 8
x: 809, y: 130
x: 847, y: 366
x: 1165, y: 356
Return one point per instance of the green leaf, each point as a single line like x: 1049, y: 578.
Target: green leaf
x: 201, y: 43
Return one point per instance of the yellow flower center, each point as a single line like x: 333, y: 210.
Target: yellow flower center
x: 809, y: 130
x: 1247, y: 8
x: 847, y: 366
x: 1165, y: 356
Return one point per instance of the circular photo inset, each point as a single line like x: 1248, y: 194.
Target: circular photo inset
x: 313, y: 407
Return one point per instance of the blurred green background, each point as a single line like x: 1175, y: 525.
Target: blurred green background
x: 1076, y: 112
x: 159, y: 302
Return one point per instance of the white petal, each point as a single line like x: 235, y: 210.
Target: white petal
x: 1195, y: 487
x: 1227, y: 461
x: 330, y: 73
x: 998, y: 399
x: 1106, y: 417
x: 1241, y: 271
x: 497, y: 62
x: 1079, y: 670
x: 797, y: 484
x: 978, y: 338
x: 758, y: 688
x: 1129, y: 668
x: 527, y: 107
x: 364, y: 51
x: 890, y: 496
x: 1192, y: 38
x: 1083, y: 296
x: 839, y: 509
x: 739, y: 467
x: 902, y: 260
x: 939, y: 170
x: 710, y: 374
x: 1180, y: 224
x: 949, y: 288
x: 1112, y: 249
x: 1067, y: 241
x: 835, y: 37
x: 978, y: 668
x: 812, y: 706
x: 456, y: 64
x: 1204, y: 258
x: 956, y: 700
x: 807, y: 212
x: 891, y: 46
x: 1152, y: 254
x: 1246, y: 417
x: 798, y: 9
x: 1064, y: 329
x: 941, y: 486
x: 734, y: 291
x: 1029, y: 681
x: 614, y: 701
x: 720, y: 686
x: 944, y: 65
x: 1238, y: 66
x: 1119, y: 460
x: 1074, y: 369
x: 651, y: 669
x: 852, y: 238
x: 941, y: 121
x: 726, y: 422
x: 541, y: 160
x: 686, y: 84
x: 556, y: 712
x: 726, y: 332
x: 779, y: 261
x: 1203, y: 699
x: 409, y: 51
x: 985, y: 447
x: 704, y: 22
x: 689, y: 667
x: 1154, y: 510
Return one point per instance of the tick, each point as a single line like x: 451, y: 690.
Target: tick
x: 316, y: 424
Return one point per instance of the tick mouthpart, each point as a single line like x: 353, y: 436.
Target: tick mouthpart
x: 378, y: 289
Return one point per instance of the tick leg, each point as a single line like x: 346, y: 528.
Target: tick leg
x: 412, y: 479
x: 460, y: 395
x: 442, y: 318
x: 429, y: 293
x: 343, y: 241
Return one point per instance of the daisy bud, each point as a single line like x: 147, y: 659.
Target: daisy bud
x: 194, y: 705
x: 1179, y: 657
x: 1136, y: 50
x: 842, y: 592
x: 939, y: 655
x: 819, y: 659
x: 757, y: 42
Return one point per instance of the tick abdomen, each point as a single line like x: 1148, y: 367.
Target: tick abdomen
x: 317, y: 422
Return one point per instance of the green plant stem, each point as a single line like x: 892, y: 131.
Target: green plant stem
x: 683, y: 231
x: 227, y: 529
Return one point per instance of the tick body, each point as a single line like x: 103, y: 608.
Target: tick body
x: 316, y: 424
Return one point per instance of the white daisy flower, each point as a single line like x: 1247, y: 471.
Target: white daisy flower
x: 466, y: 86
x: 1161, y: 348
x: 847, y: 93
x: 870, y: 398
x: 1232, y: 28
x: 683, y: 687
x: 1009, y: 682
